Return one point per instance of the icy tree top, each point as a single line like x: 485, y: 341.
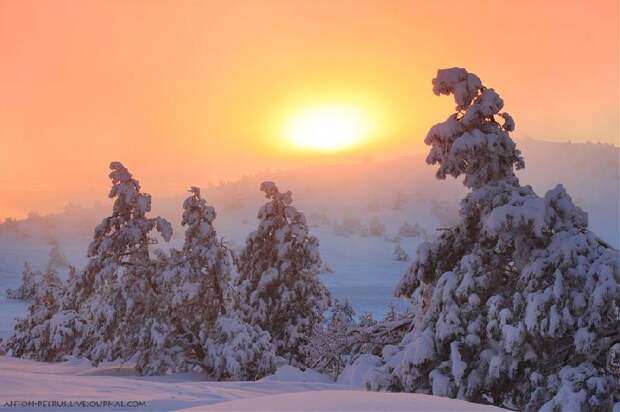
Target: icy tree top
x: 128, y: 227
x: 196, y: 212
x: 201, y: 242
x: 272, y: 192
x: 472, y: 141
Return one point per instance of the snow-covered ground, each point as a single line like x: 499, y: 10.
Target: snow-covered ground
x: 24, y: 380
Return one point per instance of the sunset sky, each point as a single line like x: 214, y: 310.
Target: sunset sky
x: 191, y: 92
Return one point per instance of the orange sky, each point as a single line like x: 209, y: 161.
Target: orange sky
x: 190, y: 92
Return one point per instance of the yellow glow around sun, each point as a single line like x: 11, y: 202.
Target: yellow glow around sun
x: 329, y: 127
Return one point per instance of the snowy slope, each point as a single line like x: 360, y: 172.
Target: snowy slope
x: 36, y: 381
x: 346, y: 400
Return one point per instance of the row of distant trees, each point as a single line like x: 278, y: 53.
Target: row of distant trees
x: 183, y: 309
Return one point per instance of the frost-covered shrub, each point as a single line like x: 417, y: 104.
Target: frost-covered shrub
x: 341, y: 340
x: 278, y: 283
x: 409, y: 230
x: 57, y: 259
x: 49, y: 332
x: 329, y: 348
x: 400, y: 254
x: 31, y: 281
x: 28, y: 287
x: 236, y: 350
x: 366, y: 319
x: 356, y: 373
x: 518, y: 304
x: 374, y: 228
x: 349, y: 226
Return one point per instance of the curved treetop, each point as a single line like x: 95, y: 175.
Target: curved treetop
x: 474, y: 141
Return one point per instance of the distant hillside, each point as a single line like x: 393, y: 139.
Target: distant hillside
x: 590, y: 172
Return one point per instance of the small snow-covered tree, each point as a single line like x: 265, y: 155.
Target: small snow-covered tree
x: 28, y: 287
x: 391, y: 315
x: 375, y: 228
x: 57, y: 259
x: 349, y: 226
x: 367, y: 319
x: 278, y: 283
x: 409, y: 230
x: 236, y: 350
x: 518, y: 304
x: 341, y: 340
x: 48, y: 333
x: 328, y: 350
x: 400, y: 254
x: 342, y: 315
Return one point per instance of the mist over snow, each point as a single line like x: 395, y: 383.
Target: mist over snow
x: 341, y: 203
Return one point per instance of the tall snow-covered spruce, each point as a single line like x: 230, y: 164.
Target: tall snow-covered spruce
x: 279, y: 287
x: 99, y: 313
x: 117, y: 291
x: 518, y: 304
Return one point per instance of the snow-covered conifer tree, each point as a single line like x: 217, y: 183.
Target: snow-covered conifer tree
x: 329, y: 347
x: 279, y: 289
x: 342, y: 316
x: 366, y: 319
x: 117, y: 291
x: 197, y: 326
x: 518, y: 304
x: 375, y: 227
x: 409, y: 230
x: 28, y: 287
x: 400, y: 254
x: 236, y: 350
x: 391, y: 315
x: 57, y: 259
x: 48, y: 333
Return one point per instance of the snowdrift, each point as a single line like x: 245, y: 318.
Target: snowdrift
x: 24, y: 380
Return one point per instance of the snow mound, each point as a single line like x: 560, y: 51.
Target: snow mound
x: 355, y: 373
x: 22, y: 379
x: 339, y: 400
x: 289, y: 373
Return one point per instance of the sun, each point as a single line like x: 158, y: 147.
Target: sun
x: 328, y: 128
